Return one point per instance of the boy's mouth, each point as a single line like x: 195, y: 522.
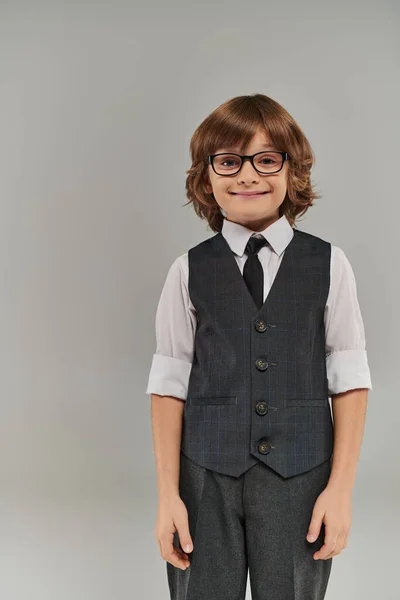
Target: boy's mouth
x: 249, y: 194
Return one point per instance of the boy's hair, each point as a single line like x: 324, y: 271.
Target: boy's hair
x: 236, y: 122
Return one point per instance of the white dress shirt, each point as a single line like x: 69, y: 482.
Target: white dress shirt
x: 176, y: 320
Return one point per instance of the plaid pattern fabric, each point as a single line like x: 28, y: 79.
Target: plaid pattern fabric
x: 258, y: 387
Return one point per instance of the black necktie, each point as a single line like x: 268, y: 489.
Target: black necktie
x: 253, y: 272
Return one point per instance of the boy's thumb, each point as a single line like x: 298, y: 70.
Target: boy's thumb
x: 186, y: 541
x: 314, y: 528
x: 188, y: 546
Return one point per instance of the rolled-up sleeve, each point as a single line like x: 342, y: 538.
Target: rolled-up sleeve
x: 175, y: 323
x: 346, y: 354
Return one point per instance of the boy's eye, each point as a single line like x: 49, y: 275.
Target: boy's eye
x: 270, y: 159
x: 226, y: 161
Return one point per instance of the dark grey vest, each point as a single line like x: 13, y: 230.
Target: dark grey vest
x: 258, y: 387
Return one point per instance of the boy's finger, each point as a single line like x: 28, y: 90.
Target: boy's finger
x: 172, y: 554
x: 179, y: 559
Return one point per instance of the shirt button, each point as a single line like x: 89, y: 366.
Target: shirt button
x: 260, y: 325
x: 264, y: 447
x: 261, y: 364
x: 261, y: 408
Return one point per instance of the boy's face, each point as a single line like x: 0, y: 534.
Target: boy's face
x: 255, y: 212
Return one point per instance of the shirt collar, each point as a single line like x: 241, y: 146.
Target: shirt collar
x: 279, y: 234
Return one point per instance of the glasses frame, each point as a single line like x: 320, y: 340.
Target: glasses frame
x: 250, y: 157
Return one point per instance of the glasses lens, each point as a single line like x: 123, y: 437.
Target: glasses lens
x: 266, y: 162
x: 225, y: 164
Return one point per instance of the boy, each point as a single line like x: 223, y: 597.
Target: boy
x: 256, y: 327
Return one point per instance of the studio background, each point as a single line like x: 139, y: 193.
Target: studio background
x: 97, y: 106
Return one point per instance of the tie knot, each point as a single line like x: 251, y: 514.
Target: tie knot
x: 255, y: 244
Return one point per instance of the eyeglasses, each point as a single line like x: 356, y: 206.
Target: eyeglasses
x: 267, y: 162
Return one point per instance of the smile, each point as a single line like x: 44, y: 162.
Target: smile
x: 251, y: 195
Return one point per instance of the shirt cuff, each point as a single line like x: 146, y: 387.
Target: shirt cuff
x: 347, y: 370
x: 169, y: 376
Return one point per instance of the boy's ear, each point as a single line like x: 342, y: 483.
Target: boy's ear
x: 207, y: 184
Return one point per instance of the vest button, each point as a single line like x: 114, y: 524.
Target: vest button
x: 261, y: 408
x: 260, y: 325
x: 264, y: 447
x: 261, y: 364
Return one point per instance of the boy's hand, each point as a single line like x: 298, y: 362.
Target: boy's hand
x: 172, y: 516
x: 333, y: 508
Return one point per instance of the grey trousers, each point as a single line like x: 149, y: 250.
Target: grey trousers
x: 256, y: 523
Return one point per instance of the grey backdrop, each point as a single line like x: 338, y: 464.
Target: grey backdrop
x: 90, y: 226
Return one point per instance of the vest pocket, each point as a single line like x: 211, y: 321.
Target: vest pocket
x: 216, y: 401
x: 306, y: 402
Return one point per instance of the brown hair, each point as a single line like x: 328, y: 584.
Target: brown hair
x: 235, y: 122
